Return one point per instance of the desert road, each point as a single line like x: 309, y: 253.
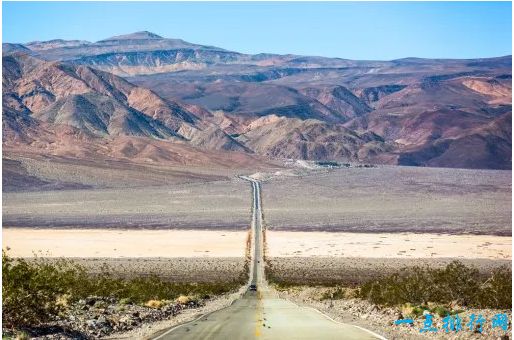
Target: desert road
x: 261, y: 314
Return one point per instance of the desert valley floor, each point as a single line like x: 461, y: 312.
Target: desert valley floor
x: 416, y: 213
x: 323, y: 226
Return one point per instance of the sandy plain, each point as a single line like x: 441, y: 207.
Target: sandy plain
x: 387, y: 245
x: 86, y: 243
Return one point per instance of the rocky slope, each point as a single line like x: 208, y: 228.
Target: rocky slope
x: 423, y: 112
x: 311, y: 139
x: 43, y: 100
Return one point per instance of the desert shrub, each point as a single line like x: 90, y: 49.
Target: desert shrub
x: 22, y: 335
x: 182, y: 299
x: 32, y: 291
x: 496, y: 291
x: 283, y: 280
x: 36, y: 291
x: 442, y: 311
x: 339, y: 293
x: 143, y: 289
x: 335, y: 294
x: 455, y: 282
x: 125, y: 301
x: 418, y: 310
x: 155, y: 303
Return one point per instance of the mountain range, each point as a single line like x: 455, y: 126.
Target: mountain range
x: 142, y: 97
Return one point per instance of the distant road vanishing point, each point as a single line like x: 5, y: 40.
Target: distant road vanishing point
x: 261, y: 314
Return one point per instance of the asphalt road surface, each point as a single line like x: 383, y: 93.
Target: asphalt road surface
x: 261, y: 314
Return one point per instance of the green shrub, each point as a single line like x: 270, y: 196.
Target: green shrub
x: 441, y: 311
x: 37, y: 291
x: 31, y: 290
x: 417, y: 311
x: 496, y: 291
x: 455, y: 282
x: 125, y: 301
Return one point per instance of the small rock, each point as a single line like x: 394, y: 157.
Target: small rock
x: 90, y: 301
x: 101, y: 319
x: 91, y: 323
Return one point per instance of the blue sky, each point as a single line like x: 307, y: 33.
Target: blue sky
x: 355, y: 30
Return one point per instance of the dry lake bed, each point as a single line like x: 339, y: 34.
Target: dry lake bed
x: 124, y: 243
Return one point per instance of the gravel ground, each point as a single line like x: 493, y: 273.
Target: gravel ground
x: 391, y: 199
x: 353, y: 270
x: 381, y: 320
x: 34, y: 173
x: 214, y: 205
x: 109, y: 318
x: 152, y: 328
x: 185, y: 269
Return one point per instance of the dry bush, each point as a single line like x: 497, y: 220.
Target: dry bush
x: 36, y: 291
x: 182, y: 299
x: 456, y: 282
x: 154, y: 303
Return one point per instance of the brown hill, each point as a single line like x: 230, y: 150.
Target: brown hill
x: 426, y: 112
x: 311, y: 139
x: 96, y: 103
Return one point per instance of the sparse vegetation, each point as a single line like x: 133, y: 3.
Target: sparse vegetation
x: 286, y: 272
x: 451, y: 201
x: 437, y: 309
x: 418, y: 288
x: 36, y: 291
x: 339, y: 293
x: 328, y: 164
x: 223, y: 204
x: 457, y: 282
x: 248, y: 246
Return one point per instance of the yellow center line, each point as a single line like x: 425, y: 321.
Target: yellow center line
x: 259, y: 315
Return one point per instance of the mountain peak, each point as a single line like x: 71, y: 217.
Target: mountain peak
x: 136, y: 36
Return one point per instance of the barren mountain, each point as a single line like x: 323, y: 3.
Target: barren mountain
x: 136, y: 53
x: 311, y: 139
x: 412, y: 111
x: 96, y: 103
